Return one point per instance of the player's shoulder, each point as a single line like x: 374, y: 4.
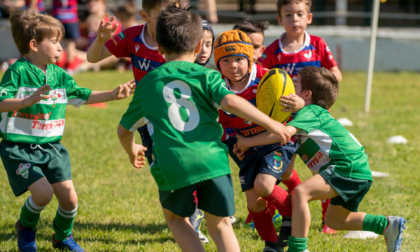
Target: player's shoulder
x: 316, y: 40
x: 133, y: 31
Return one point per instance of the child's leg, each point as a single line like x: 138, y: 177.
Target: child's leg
x: 67, y: 209
x: 184, y: 234
x: 311, y: 189
x: 221, y: 230
x: 290, y: 177
x: 41, y: 195
x: 262, y: 217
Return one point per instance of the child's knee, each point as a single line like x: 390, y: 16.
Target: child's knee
x: 263, y: 185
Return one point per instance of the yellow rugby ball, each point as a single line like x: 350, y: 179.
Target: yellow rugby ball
x: 273, y: 85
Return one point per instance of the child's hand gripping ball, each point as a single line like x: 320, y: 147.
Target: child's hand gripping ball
x: 273, y: 85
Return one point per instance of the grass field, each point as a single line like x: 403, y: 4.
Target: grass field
x: 119, y: 208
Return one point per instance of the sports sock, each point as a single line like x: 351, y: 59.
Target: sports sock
x: 264, y: 224
x: 292, y: 182
x: 297, y: 244
x: 280, y: 198
x: 375, y: 223
x: 29, y: 215
x: 272, y: 208
x: 325, y: 203
x: 63, y: 223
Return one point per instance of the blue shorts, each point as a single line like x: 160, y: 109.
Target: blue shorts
x: 269, y: 159
x: 72, y: 30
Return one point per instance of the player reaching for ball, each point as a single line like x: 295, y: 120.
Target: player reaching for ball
x: 343, y: 174
x: 263, y: 166
x: 292, y: 51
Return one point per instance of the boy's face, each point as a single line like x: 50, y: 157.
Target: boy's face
x: 150, y: 17
x: 206, y: 47
x: 234, y: 67
x: 48, y: 50
x: 257, y: 39
x: 294, y: 18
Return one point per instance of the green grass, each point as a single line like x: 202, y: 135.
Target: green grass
x: 119, y: 208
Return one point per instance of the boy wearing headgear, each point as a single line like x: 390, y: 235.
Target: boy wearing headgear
x: 262, y: 166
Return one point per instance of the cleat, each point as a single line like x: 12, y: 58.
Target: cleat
x: 393, y: 233
x: 196, y: 218
x: 202, y: 237
x: 285, y: 232
x: 232, y: 219
x: 329, y: 231
x: 25, y: 238
x: 277, y: 220
x: 269, y: 249
x: 69, y: 244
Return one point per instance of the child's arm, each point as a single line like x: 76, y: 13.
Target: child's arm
x: 97, y: 50
x: 12, y: 104
x: 264, y: 138
x: 292, y: 102
x: 244, y: 109
x: 135, y: 151
x: 121, y: 92
x: 336, y: 71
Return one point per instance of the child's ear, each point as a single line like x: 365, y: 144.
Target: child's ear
x: 161, y: 50
x: 279, y: 20
x: 198, y: 47
x: 143, y: 14
x: 307, y: 95
x: 309, y: 18
x: 33, y: 45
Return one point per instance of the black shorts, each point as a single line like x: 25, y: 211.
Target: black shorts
x: 147, y: 142
x: 269, y: 159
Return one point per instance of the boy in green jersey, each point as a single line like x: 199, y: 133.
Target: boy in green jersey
x: 337, y: 159
x: 34, y: 95
x: 179, y: 99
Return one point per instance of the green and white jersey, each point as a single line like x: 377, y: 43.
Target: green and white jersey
x: 44, y: 121
x: 324, y: 142
x: 179, y: 99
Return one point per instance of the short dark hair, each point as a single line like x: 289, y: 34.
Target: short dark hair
x: 281, y: 3
x: 178, y: 30
x: 29, y: 24
x: 322, y: 83
x: 251, y: 26
x: 148, y: 5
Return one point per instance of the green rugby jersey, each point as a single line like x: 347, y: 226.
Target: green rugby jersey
x: 179, y: 100
x: 44, y: 121
x: 324, y: 142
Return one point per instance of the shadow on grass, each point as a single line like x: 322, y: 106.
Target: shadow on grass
x: 8, y: 232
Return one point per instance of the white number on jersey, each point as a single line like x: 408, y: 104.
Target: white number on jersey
x: 177, y: 103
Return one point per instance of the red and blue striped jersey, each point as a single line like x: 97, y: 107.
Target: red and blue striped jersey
x: 233, y: 124
x: 314, y: 52
x: 65, y: 11
x: 131, y: 43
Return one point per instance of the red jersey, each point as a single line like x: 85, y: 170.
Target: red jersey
x: 131, y: 43
x: 314, y: 52
x: 233, y: 124
x: 65, y: 11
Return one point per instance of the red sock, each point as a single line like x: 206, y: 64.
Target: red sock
x: 272, y: 208
x: 264, y: 225
x: 292, y: 182
x: 325, y: 204
x: 248, y: 218
x: 280, y: 198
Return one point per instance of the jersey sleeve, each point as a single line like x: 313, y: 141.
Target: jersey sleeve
x: 217, y: 87
x: 134, y: 118
x: 76, y: 96
x: 266, y: 59
x: 119, y: 44
x: 8, y: 86
x: 305, y: 120
x: 326, y: 56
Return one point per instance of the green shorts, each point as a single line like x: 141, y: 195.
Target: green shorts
x: 351, y: 191
x: 215, y: 196
x: 27, y: 163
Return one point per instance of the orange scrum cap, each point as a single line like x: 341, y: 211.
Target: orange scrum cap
x: 233, y: 43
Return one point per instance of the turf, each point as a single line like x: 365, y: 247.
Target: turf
x: 119, y: 207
